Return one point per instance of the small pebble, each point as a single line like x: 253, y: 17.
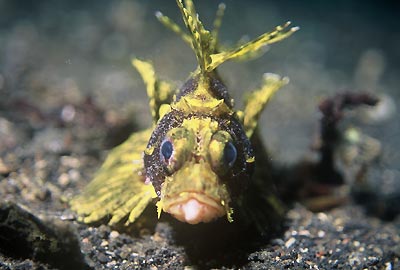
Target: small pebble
x: 321, y: 234
x: 103, y: 258
x: 63, y: 180
x: 104, y: 243
x: 114, y: 234
x: 4, y: 169
x: 290, y: 242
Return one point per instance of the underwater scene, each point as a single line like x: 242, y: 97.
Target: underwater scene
x: 199, y: 134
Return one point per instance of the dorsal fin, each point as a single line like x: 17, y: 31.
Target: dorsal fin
x: 201, y: 38
x: 205, y: 43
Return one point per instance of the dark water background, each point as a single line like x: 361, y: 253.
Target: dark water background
x: 53, y: 52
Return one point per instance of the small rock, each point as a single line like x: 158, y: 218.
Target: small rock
x: 10, y: 136
x: 104, y: 243
x: 4, y: 169
x: 321, y: 234
x: 114, y: 234
x: 103, y: 258
x: 63, y: 180
x: 290, y: 242
x: 24, y: 235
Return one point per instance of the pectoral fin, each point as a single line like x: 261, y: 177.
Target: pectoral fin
x: 119, y: 188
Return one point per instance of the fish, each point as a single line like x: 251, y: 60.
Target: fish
x: 201, y: 159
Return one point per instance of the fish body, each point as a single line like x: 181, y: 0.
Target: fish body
x: 197, y: 160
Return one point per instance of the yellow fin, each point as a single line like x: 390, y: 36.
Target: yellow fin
x: 281, y: 32
x: 159, y: 208
x: 171, y: 25
x: 216, y: 26
x: 200, y: 36
x: 257, y: 100
x: 159, y: 92
x: 118, y: 189
x: 205, y: 44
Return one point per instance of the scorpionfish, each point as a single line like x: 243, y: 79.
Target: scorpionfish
x: 201, y: 159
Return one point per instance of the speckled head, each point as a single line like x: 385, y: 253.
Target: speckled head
x: 200, y: 161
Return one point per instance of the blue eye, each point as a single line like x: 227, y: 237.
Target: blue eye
x: 230, y: 154
x: 166, y: 149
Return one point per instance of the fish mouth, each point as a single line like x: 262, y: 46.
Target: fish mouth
x: 194, y: 207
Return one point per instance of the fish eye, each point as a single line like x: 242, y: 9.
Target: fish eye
x: 175, y: 149
x: 166, y: 150
x: 222, y: 152
x: 230, y: 154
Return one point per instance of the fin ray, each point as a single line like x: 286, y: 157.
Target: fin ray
x: 118, y: 188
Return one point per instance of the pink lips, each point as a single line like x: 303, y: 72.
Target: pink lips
x: 193, y: 211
